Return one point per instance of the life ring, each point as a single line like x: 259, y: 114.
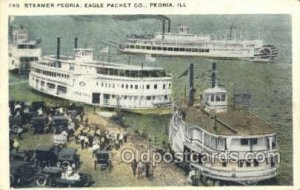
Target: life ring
x: 41, y: 181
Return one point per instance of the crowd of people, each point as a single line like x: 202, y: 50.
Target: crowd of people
x: 142, y: 169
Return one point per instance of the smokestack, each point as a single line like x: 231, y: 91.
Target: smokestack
x: 191, y: 85
x: 169, y: 25
x: 213, y: 75
x: 75, y: 43
x: 163, y: 28
x: 58, y: 48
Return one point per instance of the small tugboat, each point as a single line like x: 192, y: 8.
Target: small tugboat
x: 22, y: 51
x: 226, y: 143
x: 84, y: 79
x: 184, y: 43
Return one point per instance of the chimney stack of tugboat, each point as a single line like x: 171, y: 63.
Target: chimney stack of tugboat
x: 58, y: 48
x: 213, y: 75
x: 75, y: 43
x: 163, y: 28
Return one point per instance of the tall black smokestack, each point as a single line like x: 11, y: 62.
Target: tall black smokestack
x: 213, y: 75
x: 163, y: 28
x: 169, y: 25
x: 58, y: 48
x: 191, y: 85
x: 75, y: 43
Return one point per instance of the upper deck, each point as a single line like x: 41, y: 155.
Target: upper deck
x: 231, y: 123
x: 71, y: 65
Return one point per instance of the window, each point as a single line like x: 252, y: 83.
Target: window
x: 155, y: 86
x: 136, y: 86
x: 224, y: 164
x: 122, y: 85
x: 218, y: 98
x: 244, y: 142
x: 148, y: 98
x: 131, y: 86
x: 126, y: 86
x: 253, y: 141
x: 223, y: 97
x: 212, y: 98
x: 170, y: 85
x: 248, y: 164
x: 164, y: 86
x: 240, y: 163
x: 148, y: 86
x: 166, y: 97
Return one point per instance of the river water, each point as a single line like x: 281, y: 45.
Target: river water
x: 269, y: 84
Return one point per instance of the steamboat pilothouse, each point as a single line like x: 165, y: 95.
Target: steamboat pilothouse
x: 84, y: 79
x: 184, y: 43
x: 230, y: 144
x: 22, y: 51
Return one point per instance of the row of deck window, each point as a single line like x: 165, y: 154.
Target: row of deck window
x: 168, y: 48
x: 135, y: 86
x: 112, y: 96
x: 52, y: 74
x: 131, y: 73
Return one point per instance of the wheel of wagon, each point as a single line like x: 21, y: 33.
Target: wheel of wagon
x: 12, y: 179
x: 65, y: 164
x: 15, y: 128
x: 88, y: 181
x: 41, y: 181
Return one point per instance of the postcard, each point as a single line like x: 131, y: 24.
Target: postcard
x: 156, y: 94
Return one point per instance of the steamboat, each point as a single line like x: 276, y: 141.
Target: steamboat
x: 22, y: 51
x: 184, y: 43
x: 226, y: 143
x: 81, y: 78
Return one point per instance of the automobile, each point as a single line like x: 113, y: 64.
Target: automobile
x: 60, y: 123
x: 39, y: 124
x: 74, y: 108
x: 60, y: 139
x: 68, y: 157
x: 103, y: 159
x: 45, y: 156
x: 35, y: 106
x: 15, y: 125
x: 56, y: 176
x: 22, y: 173
x: 24, y: 155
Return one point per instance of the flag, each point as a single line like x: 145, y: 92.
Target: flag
x: 184, y: 73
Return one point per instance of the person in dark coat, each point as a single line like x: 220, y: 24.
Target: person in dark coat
x: 134, y: 166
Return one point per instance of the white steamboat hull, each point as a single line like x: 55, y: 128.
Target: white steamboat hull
x: 179, y: 140
x: 236, y: 56
x: 93, y: 95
